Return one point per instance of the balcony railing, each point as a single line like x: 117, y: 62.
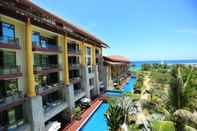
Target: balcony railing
x: 13, y: 98
x: 47, y: 89
x: 74, y: 66
x: 7, y: 72
x: 76, y: 79
x: 78, y: 91
x: 46, y: 47
x: 9, y: 42
x: 47, y: 68
x: 74, y: 52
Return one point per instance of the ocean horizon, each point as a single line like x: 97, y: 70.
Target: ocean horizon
x: 139, y: 63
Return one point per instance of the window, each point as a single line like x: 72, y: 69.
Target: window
x: 73, y: 60
x: 43, y: 80
x: 7, y: 58
x: 91, y: 82
x: 42, y: 41
x: 45, y: 59
x: 8, y: 88
x: 12, y: 117
x: 88, y: 51
x: 36, y: 38
x: 7, y: 31
x: 74, y: 73
x: 88, y: 60
x: 89, y: 70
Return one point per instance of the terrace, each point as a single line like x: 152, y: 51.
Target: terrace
x: 9, y: 42
x: 73, y: 49
x: 75, y: 76
x: 46, y: 69
x: 10, y: 72
x: 44, y: 44
x: 46, y: 84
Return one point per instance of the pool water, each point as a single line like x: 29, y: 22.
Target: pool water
x: 97, y: 121
x: 129, y: 86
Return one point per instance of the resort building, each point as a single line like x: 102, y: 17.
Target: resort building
x: 115, y: 70
x: 46, y: 66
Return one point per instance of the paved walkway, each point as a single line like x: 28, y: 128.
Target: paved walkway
x: 73, y: 126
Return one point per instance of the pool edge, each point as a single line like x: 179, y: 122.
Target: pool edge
x: 84, y: 122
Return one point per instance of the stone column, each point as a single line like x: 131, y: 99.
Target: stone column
x: 69, y: 96
x: 35, y: 113
x: 85, y: 80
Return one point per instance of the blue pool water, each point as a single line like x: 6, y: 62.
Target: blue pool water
x: 129, y: 86
x: 113, y: 94
x: 98, y: 122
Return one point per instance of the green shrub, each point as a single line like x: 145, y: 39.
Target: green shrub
x: 163, y: 126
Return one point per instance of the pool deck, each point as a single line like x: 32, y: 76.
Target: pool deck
x: 76, y: 124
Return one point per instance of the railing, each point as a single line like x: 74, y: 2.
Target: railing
x: 52, y: 104
x: 9, y: 42
x: 78, y: 91
x: 8, y: 70
x: 46, y: 67
x: 75, y: 79
x: 74, y: 65
x: 47, y: 46
x: 74, y: 52
x: 44, y: 90
x: 11, y: 97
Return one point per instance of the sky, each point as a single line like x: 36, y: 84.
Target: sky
x: 137, y: 29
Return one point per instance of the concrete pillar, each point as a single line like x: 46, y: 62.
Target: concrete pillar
x: 85, y: 80
x: 35, y: 113
x: 97, y: 82
x: 69, y: 96
x: 104, y: 76
x: 29, y: 61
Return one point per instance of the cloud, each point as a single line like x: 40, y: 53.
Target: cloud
x: 192, y: 31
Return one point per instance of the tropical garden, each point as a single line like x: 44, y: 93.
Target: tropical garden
x: 164, y: 99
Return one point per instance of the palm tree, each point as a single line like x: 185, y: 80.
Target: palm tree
x: 115, y: 117
x: 118, y: 113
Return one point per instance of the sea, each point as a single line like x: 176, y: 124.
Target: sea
x: 139, y: 63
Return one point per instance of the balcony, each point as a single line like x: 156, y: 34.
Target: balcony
x: 11, y: 99
x: 79, y: 93
x: 46, y: 48
x: 10, y: 72
x: 74, y: 52
x: 76, y: 79
x: 45, y: 90
x: 46, y: 69
x: 73, y: 66
x: 9, y: 42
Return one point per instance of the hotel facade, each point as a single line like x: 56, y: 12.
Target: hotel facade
x: 46, y: 66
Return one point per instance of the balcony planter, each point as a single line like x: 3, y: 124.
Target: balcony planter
x: 78, y: 112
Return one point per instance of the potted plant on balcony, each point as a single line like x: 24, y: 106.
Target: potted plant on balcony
x: 78, y: 112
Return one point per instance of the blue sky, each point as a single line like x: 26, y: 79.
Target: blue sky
x: 138, y: 29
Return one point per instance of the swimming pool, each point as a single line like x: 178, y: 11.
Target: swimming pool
x: 97, y: 121
x: 129, y: 86
x: 112, y: 93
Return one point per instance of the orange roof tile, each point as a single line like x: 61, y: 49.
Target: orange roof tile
x: 116, y: 58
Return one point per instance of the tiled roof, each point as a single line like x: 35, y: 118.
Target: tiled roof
x: 116, y: 58
x: 32, y: 7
